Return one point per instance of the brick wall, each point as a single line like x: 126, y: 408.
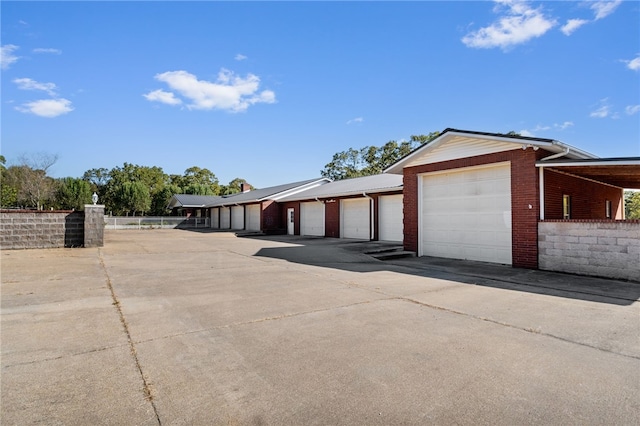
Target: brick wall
x: 524, y: 199
x: 588, y: 198
x: 332, y: 218
x: 295, y: 205
x: 601, y: 248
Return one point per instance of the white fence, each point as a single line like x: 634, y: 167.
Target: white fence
x: 155, y: 222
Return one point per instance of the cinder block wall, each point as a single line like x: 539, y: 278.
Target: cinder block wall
x: 31, y: 229
x: 24, y: 229
x: 600, y: 248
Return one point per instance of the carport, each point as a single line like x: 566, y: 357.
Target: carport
x: 618, y: 173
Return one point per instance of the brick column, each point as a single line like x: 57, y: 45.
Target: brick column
x: 93, y: 225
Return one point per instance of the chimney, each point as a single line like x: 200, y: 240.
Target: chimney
x: 245, y: 187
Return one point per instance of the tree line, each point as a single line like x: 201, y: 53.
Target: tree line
x: 130, y: 190
x: 141, y: 190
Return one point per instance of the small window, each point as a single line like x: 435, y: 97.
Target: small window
x: 566, y: 207
x: 607, y: 209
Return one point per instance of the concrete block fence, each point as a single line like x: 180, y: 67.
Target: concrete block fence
x: 601, y: 248
x: 30, y: 229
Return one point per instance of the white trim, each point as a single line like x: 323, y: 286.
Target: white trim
x: 541, y: 179
x: 464, y: 169
x: 590, y: 163
x: 549, y: 145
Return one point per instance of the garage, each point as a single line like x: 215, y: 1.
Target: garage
x: 237, y: 217
x: 253, y: 217
x: 225, y: 218
x: 390, y: 218
x: 466, y: 213
x: 355, y: 218
x: 312, y: 219
x: 215, y: 218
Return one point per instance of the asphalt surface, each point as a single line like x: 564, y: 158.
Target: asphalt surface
x: 175, y: 327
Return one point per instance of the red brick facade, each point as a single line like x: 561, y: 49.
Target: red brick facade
x: 588, y: 198
x: 524, y: 200
x: 332, y: 214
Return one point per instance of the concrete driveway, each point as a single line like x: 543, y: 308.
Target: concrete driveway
x: 175, y: 327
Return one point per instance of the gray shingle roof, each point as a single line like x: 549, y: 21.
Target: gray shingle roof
x: 355, y: 186
x: 271, y: 193
x: 190, y: 200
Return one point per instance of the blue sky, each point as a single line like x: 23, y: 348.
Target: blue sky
x: 269, y: 91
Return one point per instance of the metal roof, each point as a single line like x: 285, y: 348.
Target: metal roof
x: 190, y: 200
x: 354, y: 186
x: 620, y: 172
x: 466, y: 143
x: 271, y: 193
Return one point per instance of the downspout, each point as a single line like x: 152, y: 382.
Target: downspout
x: 371, y: 224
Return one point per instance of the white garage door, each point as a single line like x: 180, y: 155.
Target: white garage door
x: 355, y: 218
x: 225, y: 218
x: 312, y: 219
x: 237, y: 217
x: 390, y: 224
x: 253, y: 217
x: 466, y: 214
x: 215, y: 218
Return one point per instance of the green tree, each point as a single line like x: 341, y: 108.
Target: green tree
x: 135, y: 197
x: 117, y: 198
x: 33, y: 187
x: 8, y: 194
x: 73, y: 193
x: 161, y: 199
x: 632, y: 204
x: 233, y: 187
x: 372, y: 160
x: 203, y: 181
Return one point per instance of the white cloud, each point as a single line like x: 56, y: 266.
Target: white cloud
x: 633, y: 64
x: 240, y: 57
x: 543, y: 128
x: 603, y: 111
x: 355, y: 120
x: 572, y: 25
x: 564, y: 125
x: 519, y: 24
x: 602, y: 9
x: 6, y: 55
x: 47, y: 107
x: 29, y: 84
x: 47, y: 50
x: 162, y: 97
x: 229, y: 92
x: 632, y: 109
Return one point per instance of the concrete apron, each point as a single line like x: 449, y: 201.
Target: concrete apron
x: 180, y: 327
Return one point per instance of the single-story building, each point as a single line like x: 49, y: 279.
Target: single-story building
x: 368, y: 208
x: 256, y: 209
x: 190, y: 205
x: 480, y: 196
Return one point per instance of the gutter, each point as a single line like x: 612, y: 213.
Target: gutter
x: 371, y: 219
x: 558, y: 155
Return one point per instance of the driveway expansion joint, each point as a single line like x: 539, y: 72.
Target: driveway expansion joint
x: 146, y: 385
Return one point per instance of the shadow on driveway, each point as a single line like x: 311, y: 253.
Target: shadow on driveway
x: 350, y: 255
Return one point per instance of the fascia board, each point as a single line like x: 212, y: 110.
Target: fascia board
x: 631, y: 162
x: 370, y: 191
